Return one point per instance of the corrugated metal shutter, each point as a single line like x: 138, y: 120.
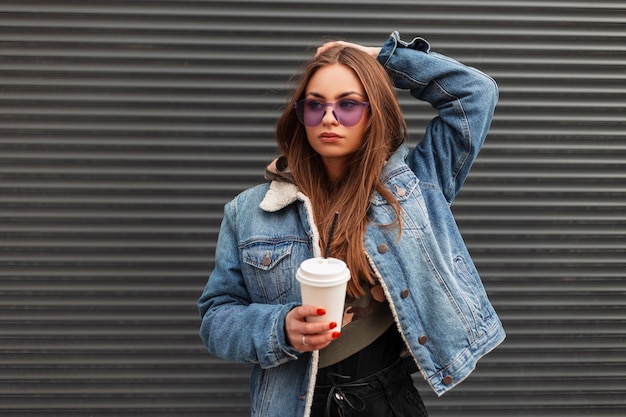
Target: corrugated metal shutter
x: 125, y: 126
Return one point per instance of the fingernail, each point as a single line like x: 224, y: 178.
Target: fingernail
x: 336, y: 335
x: 332, y: 325
x: 321, y: 311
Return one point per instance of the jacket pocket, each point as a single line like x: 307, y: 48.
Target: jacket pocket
x: 269, y: 270
x: 472, y: 292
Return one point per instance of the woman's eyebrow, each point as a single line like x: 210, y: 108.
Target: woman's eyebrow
x: 342, y: 95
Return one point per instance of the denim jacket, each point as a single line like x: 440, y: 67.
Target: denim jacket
x: 436, y: 296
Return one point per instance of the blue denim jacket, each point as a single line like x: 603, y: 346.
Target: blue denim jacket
x: 436, y: 296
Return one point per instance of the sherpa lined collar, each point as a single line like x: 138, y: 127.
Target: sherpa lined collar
x: 282, y: 191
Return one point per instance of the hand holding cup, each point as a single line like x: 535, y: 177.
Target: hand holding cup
x: 323, y: 284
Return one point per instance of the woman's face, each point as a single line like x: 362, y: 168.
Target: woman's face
x: 332, y: 140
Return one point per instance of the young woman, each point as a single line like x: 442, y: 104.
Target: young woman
x: 415, y: 300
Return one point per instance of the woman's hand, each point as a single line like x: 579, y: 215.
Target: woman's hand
x: 373, y: 51
x: 305, y: 336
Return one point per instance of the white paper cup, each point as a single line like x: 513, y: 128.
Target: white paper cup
x: 323, y: 284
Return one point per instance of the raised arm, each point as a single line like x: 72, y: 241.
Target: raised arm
x: 464, y: 98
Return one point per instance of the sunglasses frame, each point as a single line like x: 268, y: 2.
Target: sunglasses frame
x: 299, y: 107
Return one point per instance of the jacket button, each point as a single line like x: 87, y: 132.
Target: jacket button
x: 400, y: 191
x: 404, y: 293
x: 447, y: 380
x: 382, y: 248
x: 423, y: 340
x: 267, y: 260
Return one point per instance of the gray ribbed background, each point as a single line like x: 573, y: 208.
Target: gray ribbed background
x: 126, y: 125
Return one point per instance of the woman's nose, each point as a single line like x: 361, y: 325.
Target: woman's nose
x: 329, y: 115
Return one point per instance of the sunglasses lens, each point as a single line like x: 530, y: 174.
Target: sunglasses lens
x: 313, y: 112
x: 348, y: 112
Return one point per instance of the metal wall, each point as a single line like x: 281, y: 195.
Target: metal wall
x: 126, y: 125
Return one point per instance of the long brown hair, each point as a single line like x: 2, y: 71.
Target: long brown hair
x: 384, y: 132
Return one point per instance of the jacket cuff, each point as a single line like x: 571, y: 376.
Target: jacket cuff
x: 394, y: 42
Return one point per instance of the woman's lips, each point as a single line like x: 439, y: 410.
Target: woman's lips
x: 329, y: 137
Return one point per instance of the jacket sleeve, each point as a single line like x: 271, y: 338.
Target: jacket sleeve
x: 232, y: 326
x: 464, y: 98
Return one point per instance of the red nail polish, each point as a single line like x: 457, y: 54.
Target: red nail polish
x: 336, y: 335
x: 332, y: 325
x: 321, y: 311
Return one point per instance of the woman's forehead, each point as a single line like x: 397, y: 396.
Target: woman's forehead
x: 334, y: 81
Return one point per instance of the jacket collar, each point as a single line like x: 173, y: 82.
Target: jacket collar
x: 280, y: 195
x: 282, y: 191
